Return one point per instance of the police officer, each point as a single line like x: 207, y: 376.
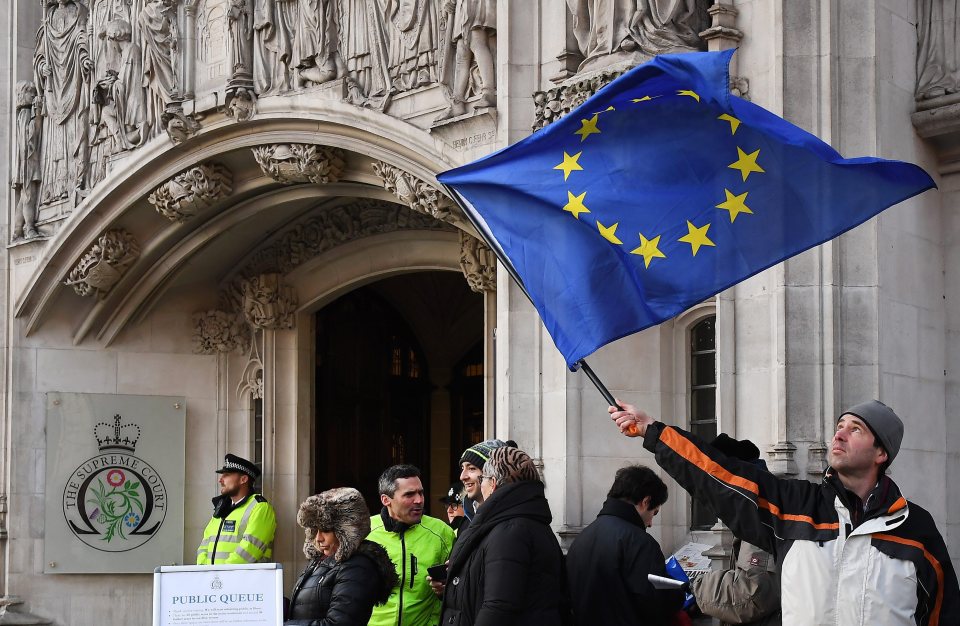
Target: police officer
x: 243, y: 523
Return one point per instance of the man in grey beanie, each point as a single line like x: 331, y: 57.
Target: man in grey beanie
x: 852, y: 549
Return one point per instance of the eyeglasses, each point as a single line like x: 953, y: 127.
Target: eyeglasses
x: 482, y: 476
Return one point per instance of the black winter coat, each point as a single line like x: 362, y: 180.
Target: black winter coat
x: 607, y: 568
x: 328, y: 593
x: 506, y: 568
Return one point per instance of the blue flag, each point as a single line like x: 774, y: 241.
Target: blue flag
x: 659, y: 192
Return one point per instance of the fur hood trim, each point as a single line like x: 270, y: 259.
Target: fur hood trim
x: 388, y: 572
x: 342, y: 511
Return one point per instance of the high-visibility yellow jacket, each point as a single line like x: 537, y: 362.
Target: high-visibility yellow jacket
x: 244, y: 535
x: 412, y: 549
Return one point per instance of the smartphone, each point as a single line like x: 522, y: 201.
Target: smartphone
x: 438, y: 572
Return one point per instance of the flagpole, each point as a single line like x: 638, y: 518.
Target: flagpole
x: 510, y: 270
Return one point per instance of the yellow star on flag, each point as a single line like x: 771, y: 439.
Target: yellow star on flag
x: 696, y: 237
x: 648, y: 249
x: 588, y: 127
x: 609, y: 232
x: 746, y: 163
x: 734, y: 122
x: 575, y: 204
x: 735, y: 204
x: 643, y: 99
x: 687, y: 92
x: 609, y: 108
x: 570, y: 164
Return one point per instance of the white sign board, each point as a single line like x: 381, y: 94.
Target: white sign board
x: 209, y: 595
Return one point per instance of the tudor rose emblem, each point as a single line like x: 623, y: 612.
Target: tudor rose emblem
x: 115, y: 501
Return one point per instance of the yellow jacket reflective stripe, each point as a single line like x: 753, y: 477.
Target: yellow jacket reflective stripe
x: 245, y: 535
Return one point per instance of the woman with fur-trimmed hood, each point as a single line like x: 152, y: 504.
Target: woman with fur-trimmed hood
x: 346, y: 574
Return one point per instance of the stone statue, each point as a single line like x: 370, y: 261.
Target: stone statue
x: 317, y: 42
x: 413, y: 43
x: 240, y: 18
x: 63, y: 67
x: 609, y: 31
x: 161, y: 52
x: 119, y: 118
x: 938, y: 51
x: 364, y: 48
x: 471, y: 27
x: 26, y: 176
x: 274, y: 22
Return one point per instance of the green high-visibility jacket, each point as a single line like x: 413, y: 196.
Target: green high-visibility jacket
x: 412, y: 549
x: 244, y: 535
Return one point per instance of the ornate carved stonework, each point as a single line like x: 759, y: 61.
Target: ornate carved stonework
x: 554, y: 103
x: 478, y: 263
x: 241, y: 104
x: 179, y: 125
x: 219, y: 331
x: 191, y: 191
x: 319, y: 233
x: 938, y: 50
x: 268, y: 303
x: 290, y: 163
x: 104, y: 263
x: 415, y: 193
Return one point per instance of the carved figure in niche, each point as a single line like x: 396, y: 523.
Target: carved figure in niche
x: 62, y: 71
x: 119, y: 119
x: 364, y: 49
x: 938, y: 51
x: 26, y: 176
x: 274, y: 22
x: 478, y: 263
x: 161, y: 53
x: 413, y: 43
x: 470, y: 33
x: 316, y: 44
x: 612, y: 30
x: 240, y: 19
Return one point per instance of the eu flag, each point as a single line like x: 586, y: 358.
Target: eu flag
x: 659, y: 192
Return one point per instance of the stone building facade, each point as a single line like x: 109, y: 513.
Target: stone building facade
x: 232, y: 205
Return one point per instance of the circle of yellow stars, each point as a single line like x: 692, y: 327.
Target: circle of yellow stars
x: 696, y: 237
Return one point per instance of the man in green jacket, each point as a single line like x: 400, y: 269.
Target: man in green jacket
x: 243, y: 523
x: 414, y: 542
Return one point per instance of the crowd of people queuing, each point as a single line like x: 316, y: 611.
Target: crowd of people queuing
x: 850, y: 550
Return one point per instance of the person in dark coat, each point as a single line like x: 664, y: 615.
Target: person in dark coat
x: 506, y: 568
x: 608, y: 563
x: 346, y: 574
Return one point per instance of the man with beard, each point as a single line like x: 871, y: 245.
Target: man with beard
x: 243, y: 523
x: 414, y: 542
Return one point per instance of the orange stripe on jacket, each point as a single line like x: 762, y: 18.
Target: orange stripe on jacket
x: 673, y: 440
x: 896, y: 506
x: 935, y: 616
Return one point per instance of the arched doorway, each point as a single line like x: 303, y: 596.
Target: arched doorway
x: 388, y: 378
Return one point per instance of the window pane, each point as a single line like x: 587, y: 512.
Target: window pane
x: 703, y: 404
x: 705, y: 430
x: 703, y: 516
x: 703, y: 335
x: 704, y: 369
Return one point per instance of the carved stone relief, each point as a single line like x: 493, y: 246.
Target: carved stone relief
x: 938, y: 51
x: 415, y: 193
x: 478, y: 263
x: 102, y: 266
x: 26, y: 174
x: 110, y: 75
x: 191, y: 191
x: 615, y: 31
x: 554, y: 103
x: 268, y: 303
x: 468, y: 31
x: 219, y: 331
x: 290, y: 163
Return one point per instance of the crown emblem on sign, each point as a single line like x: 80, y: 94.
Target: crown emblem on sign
x: 217, y: 583
x: 116, y: 436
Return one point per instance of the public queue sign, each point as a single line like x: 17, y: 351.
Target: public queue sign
x: 205, y: 595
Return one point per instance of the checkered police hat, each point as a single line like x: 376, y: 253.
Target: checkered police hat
x: 233, y: 463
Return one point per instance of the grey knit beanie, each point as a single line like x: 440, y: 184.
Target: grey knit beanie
x: 883, y: 422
